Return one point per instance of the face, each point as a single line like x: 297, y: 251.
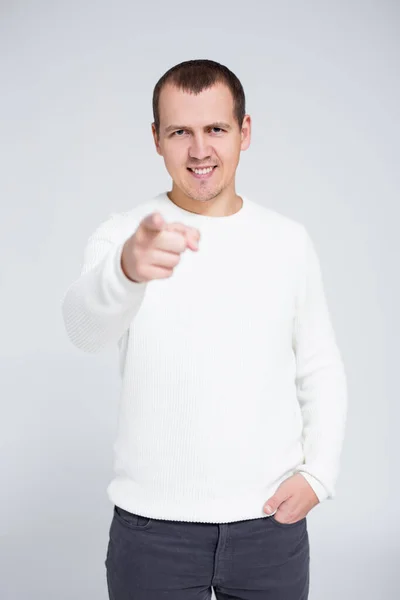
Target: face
x: 200, y: 131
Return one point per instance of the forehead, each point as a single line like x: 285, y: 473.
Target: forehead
x: 212, y: 104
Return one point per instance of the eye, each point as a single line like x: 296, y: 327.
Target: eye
x: 175, y: 133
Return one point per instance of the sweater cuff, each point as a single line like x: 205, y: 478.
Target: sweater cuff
x: 316, y: 485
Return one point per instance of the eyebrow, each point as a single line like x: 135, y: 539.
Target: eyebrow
x: 219, y: 124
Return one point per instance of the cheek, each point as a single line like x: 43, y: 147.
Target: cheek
x: 171, y: 161
x: 230, y: 154
x: 230, y: 161
x: 175, y: 159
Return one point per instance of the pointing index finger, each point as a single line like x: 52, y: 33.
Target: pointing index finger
x: 153, y: 222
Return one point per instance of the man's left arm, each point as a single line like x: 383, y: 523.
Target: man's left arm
x: 321, y: 381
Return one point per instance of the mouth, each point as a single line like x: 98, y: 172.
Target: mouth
x: 205, y: 173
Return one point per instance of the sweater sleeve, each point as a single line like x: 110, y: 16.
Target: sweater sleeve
x: 100, y: 304
x: 321, y: 381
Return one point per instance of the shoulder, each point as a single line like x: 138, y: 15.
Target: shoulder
x: 283, y: 227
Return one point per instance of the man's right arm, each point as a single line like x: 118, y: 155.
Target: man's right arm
x: 99, y: 306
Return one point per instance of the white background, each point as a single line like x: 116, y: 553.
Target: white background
x: 322, y: 86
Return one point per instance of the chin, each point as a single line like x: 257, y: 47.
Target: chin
x: 203, y: 195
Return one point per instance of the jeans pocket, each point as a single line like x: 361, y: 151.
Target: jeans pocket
x: 131, y: 520
x: 287, y: 525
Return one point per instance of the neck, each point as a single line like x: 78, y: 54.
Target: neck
x: 222, y: 205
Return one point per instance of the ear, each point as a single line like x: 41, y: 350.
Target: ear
x: 245, y: 133
x: 156, y: 141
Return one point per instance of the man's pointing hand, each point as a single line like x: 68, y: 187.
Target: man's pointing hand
x: 155, y: 248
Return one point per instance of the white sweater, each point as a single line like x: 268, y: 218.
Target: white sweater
x: 231, y: 376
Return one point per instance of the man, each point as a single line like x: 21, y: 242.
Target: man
x: 234, y: 396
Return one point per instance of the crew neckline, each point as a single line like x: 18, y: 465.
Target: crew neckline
x: 199, y: 218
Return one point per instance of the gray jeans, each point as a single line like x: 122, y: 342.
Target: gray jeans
x: 256, y: 559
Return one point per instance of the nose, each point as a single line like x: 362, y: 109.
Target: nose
x: 199, y: 148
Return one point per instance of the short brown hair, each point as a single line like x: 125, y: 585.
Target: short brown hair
x: 194, y: 76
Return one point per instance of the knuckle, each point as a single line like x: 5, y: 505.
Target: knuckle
x: 181, y: 243
x: 175, y: 260
x: 290, y: 517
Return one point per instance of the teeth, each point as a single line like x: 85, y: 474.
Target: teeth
x: 202, y: 171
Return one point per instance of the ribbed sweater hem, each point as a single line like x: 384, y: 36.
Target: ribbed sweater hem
x: 124, y: 493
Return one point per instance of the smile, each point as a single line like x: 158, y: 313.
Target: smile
x: 202, y: 173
